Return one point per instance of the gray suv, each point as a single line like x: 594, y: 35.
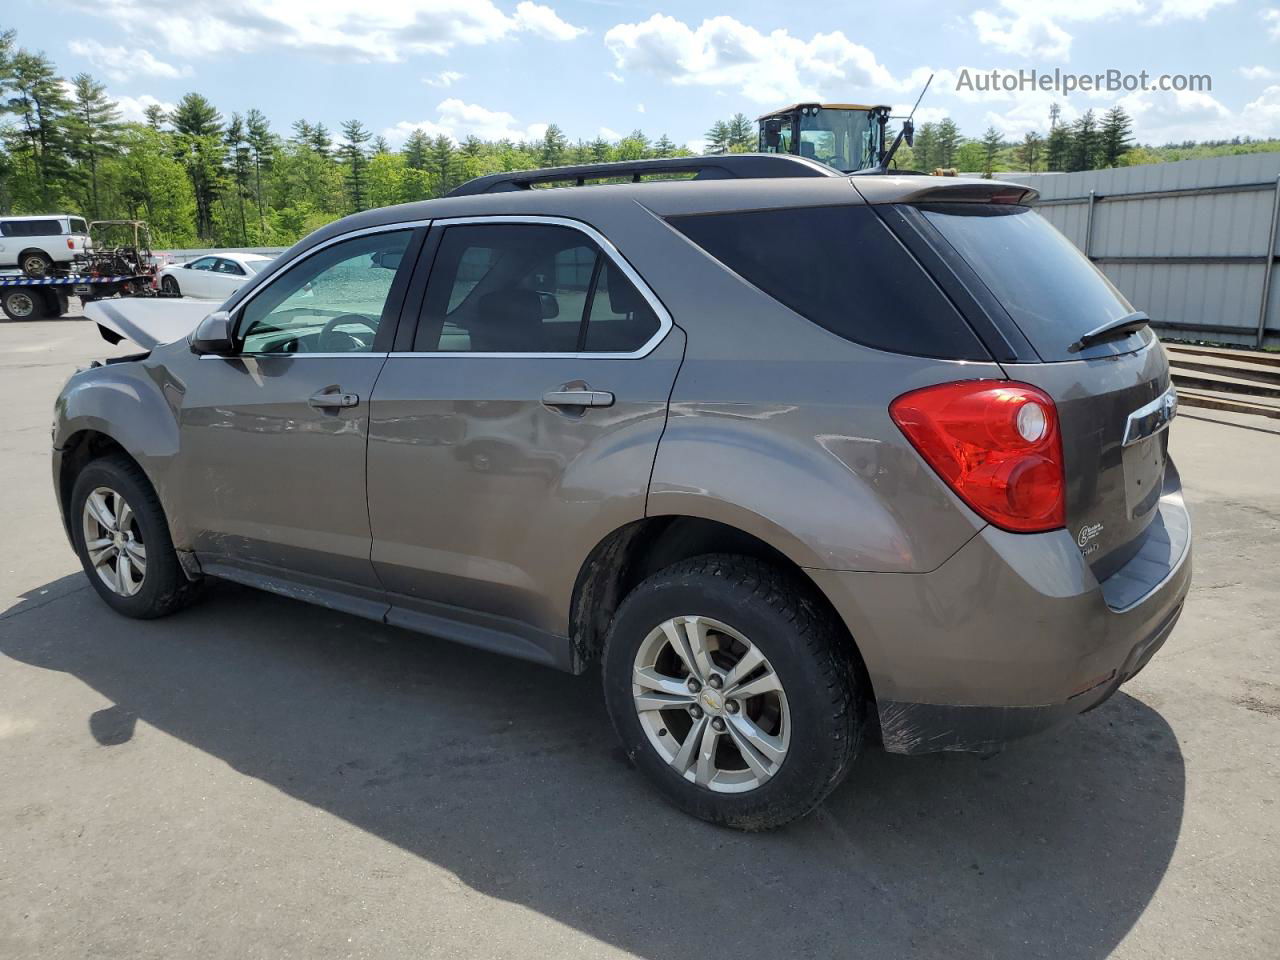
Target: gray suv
x: 801, y: 460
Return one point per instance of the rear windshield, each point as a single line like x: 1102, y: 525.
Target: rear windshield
x: 1050, y: 289
x: 841, y: 268
x: 78, y: 225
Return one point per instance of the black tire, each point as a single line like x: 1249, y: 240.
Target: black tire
x: 164, y: 588
x: 806, y: 650
x: 21, y: 303
x: 35, y: 263
x: 170, y: 286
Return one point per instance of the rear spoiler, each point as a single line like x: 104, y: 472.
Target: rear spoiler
x: 890, y: 189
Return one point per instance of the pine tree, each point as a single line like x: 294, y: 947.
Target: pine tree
x: 924, y: 151
x: 634, y: 146
x: 379, y: 147
x: 948, y: 141
x: 1058, y: 148
x: 664, y: 147
x: 718, y: 137
x: 41, y: 106
x: 263, y: 144
x: 990, y: 144
x: 554, y: 145
x: 1086, y: 143
x: 1028, y: 152
x: 1116, y: 139
x: 351, y: 153
x: 241, y: 167
x: 198, y: 127
x: 601, y: 150
x: 417, y: 151
x: 320, y: 140
x: 154, y: 116
x: 742, y: 135
x: 94, y: 133
x: 444, y: 161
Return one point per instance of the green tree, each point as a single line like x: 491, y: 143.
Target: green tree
x: 924, y: 153
x: 93, y: 128
x: 554, y: 146
x: 601, y: 150
x: 241, y: 157
x: 352, y: 154
x: 39, y: 103
x: 634, y: 146
x: 417, y: 151
x: 1058, y: 148
x: 1086, y: 144
x: 1116, y: 136
x: 197, y: 125
x: 742, y: 134
x: 444, y: 162
x: 664, y: 147
x: 718, y: 137
x: 154, y: 116
x: 1029, y: 152
x: 262, y: 144
x: 947, y: 142
x: 379, y: 146
x: 990, y: 145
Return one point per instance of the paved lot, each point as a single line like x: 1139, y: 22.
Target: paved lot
x: 259, y: 778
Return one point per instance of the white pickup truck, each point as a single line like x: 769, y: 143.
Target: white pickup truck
x: 35, y: 245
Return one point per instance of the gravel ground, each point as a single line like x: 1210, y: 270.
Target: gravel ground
x: 259, y: 778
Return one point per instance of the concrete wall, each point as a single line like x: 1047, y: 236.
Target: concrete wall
x: 1191, y: 242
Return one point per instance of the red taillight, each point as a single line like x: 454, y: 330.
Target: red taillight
x: 71, y: 244
x: 996, y: 443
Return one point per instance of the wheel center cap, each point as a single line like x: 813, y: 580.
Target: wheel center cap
x: 119, y: 539
x: 711, y: 700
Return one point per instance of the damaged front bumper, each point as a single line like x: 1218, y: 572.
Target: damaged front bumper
x: 1013, y: 634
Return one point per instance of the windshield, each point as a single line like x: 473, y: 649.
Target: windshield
x: 844, y: 139
x: 1050, y: 289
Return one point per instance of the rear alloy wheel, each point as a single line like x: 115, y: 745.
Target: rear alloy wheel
x: 22, y: 305
x: 123, y: 540
x: 36, y: 264
x: 711, y: 704
x: 734, y: 690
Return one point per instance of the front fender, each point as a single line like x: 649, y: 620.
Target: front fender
x: 132, y: 404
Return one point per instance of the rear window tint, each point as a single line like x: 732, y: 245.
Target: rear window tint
x: 841, y: 268
x: 1050, y: 289
x: 31, y: 228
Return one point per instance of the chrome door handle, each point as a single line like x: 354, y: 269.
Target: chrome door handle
x: 330, y: 401
x: 578, y: 398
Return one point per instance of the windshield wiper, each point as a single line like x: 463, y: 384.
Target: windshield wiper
x: 1119, y: 327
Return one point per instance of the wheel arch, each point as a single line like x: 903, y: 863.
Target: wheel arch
x: 633, y: 552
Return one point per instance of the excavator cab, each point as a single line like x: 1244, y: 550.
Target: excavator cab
x: 847, y: 136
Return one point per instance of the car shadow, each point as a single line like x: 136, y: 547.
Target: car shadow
x: 508, y: 775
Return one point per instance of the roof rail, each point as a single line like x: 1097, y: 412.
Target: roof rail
x: 725, y: 166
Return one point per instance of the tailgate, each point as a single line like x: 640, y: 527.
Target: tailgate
x: 1113, y: 417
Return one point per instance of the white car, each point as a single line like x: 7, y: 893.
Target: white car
x: 35, y: 245
x: 214, y: 277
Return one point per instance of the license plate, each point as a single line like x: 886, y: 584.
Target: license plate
x: 81, y: 288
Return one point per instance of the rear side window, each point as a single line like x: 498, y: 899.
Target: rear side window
x: 78, y: 226
x: 1050, y: 289
x: 31, y: 228
x: 841, y: 268
x: 529, y: 288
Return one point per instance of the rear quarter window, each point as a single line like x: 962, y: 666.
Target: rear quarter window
x: 841, y: 268
x: 1048, y: 287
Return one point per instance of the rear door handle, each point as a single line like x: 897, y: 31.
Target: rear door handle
x: 330, y: 401
x: 578, y: 398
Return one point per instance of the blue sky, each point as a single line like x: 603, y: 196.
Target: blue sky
x: 508, y: 67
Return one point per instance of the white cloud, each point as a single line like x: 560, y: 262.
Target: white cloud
x: 124, y: 63
x: 722, y: 52
x: 458, y: 120
x: 696, y: 145
x: 1033, y: 28
x: 1264, y: 113
x: 1259, y: 73
x: 336, y: 30
x: 639, y: 108
x: 544, y: 22
x: 445, y: 78
x: 610, y: 134
x: 133, y: 109
x: 1172, y: 117
x: 1272, y: 17
x: 615, y: 77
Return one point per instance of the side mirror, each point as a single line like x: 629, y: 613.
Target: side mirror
x: 187, y: 265
x: 909, y: 133
x: 550, y: 305
x: 213, y: 334
x: 387, y: 260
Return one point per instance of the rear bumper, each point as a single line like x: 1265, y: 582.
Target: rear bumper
x: 1013, y: 634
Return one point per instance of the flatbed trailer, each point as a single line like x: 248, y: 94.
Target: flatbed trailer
x: 35, y: 298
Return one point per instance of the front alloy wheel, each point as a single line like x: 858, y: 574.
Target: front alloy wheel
x: 711, y: 704
x: 113, y: 542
